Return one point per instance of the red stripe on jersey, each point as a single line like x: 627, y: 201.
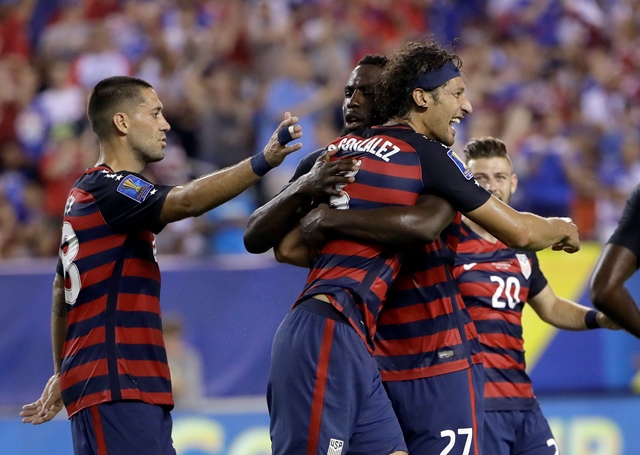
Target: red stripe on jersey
x: 477, y: 288
x: 502, y: 362
x: 500, y: 340
x: 418, y: 345
x: 139, y: 335
x: 88, y: 221
x: 482, y: 313
x: 87, y: 310
x: 470, y: 330
x: 96, y: 275
x: 87, y: 401
x: 385, y: 196
x: 319, y: 389
x: 425, y: 372
x: 341, y: 247
x: 392, y: 169
x: 164, y: 398
x: 141, y: 268
x: 143, y: 368
x: 422, y: 279
x: 96, y: 336
x: 99, y: 432
x: 82, y: 372
x: 92, y: 247
x: 476, y: 245
x: 337, y: 272
x: 413, y: 313
x: 507, y: 389
x: 138, y: 302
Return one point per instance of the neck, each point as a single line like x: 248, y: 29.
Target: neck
x: 479, y: 230
x: 118, y: 159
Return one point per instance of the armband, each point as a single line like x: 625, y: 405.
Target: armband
x: 260, y: 165
x: 591, y: 319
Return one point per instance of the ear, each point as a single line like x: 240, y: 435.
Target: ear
x: 421, y: 98
x: 121, y: 122
x: 514, y: 183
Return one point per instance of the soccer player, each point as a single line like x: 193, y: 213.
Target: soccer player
x: 495, y: 282
x: 619, y: 260
x: 110, y: 364
x: 346, y: 277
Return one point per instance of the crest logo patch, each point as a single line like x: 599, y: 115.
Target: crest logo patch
x: 525, y: 264
x: 463, y: 167
x: 335, y: 447
x: 135, y: 188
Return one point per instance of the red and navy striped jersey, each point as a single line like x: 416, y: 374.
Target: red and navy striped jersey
x: 424, y: 329
x: 397, y: 166
x: 114, y: 349
x: 495, y: 282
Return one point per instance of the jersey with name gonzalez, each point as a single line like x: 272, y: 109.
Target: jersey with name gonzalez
x: 397, y: 165
x: 114, y: 348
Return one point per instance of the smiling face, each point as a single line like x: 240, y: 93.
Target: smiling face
x: 357, y: 107
x: 148, y: 128
x: 495, y: 175
x: 443, y: 111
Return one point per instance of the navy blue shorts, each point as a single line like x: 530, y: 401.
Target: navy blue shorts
x: 325, y: 394
x: 518, y: 433
x: 122, y: 428
x: 442, y: 414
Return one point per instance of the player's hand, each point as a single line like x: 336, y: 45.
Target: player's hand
x: 327, y: 177
x: 571, y: 243
x: 313, y: 228
x: 47, y: 406
x: 275, y: 152
x: 605, y: 322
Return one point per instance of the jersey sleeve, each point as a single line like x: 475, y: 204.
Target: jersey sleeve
x: 538, y: 281
x: 129, y: 202
x: 626, y: 234
x: 445, y: 174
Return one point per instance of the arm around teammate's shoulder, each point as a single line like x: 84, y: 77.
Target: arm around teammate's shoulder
x: 525, y: 231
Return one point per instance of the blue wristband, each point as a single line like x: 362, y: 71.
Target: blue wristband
x: 591, y: 319
x: 260, y: 165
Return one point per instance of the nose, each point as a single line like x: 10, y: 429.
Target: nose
x: 355, y: 99
x: 466, y: 106
x: 166, y: 126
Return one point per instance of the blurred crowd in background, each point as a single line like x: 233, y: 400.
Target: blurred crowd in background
x: 557, y: 80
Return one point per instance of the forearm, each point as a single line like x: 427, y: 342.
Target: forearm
x: 207, y: 192
x: 567, y: 315
x: 292, y: 250
x: 421, y: 223
x: 268, y: 225
x: 58, y: 323
x: 621, y: 307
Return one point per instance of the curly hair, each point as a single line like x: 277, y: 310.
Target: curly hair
x: 415, y: 58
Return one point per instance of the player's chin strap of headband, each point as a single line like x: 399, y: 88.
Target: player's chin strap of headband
x: 433, y: 79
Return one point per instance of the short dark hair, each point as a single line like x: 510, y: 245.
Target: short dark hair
x: 109, y: 96
x: 404, y: 67
x: 374, y: 59
x: 485, y: 147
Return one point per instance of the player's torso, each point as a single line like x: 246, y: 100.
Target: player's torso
x: 357, y: 274
x: 424, y: 329
x: 495, y: 281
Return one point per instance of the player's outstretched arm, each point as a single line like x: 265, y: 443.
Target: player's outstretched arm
x: 566, y: 314
x: 50, y: 402
x: 608, y: 292
x: 268, y: 225
x: 525, y: 231
x: 207, y: 192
